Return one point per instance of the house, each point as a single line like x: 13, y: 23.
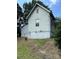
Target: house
x: 39, y: 23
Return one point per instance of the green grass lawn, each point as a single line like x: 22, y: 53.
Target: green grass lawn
x: 27, y: 49
x: 24, y: 51
x: 40, y: 42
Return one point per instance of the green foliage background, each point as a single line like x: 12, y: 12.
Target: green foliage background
x: 57, y: 31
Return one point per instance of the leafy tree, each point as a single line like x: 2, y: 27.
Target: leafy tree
x: 19, y: 15
x: 28, y: 6
x: 57, y: 32
x: 19, y: 11
x: 33, y: 2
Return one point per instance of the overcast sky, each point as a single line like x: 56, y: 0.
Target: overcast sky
x: 54, y: 5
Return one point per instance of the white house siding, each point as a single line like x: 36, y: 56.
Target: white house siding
x: 40, y: 35
x: 43, y: 31
x: 24, y: 31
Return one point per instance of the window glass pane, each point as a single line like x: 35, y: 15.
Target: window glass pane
x: 37, y: 24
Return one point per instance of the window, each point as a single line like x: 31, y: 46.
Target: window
x: 37, y: 24
x: 37, y: 20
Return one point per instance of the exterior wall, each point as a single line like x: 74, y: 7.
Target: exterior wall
x: 39, y: 35
x: 24, y: 31
x: 43, y: 31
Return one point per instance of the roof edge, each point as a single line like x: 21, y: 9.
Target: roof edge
x: 34, y: 8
